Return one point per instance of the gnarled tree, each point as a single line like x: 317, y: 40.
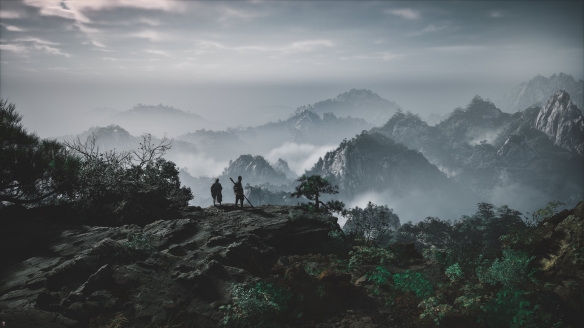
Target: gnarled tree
x: 312, y: 187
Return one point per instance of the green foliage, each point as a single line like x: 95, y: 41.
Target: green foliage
x: 257, y: 305
x: 434, y: 310
x: 139, y: 241
x: 441, y: 256
x: 380, y: 276
x: 413, y: 281
x: 454, y: 272
x: 33, y: 170
x: 523, y: 238
x: 312, y: 187
x: 509, y: 308
x: 546, y: 212
x: 371, y: 223
x: 370, y: 255
x: 511, y: 270
x: 484, y: 227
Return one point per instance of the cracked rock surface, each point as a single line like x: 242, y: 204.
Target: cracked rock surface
x: 57, y: 275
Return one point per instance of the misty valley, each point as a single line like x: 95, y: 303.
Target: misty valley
x: 375, y: 151
x: 357, y: 213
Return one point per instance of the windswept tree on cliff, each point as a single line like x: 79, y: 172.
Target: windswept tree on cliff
x: 312, y: 187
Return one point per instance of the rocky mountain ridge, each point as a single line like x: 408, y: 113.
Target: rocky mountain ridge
x: 539, y: 89
x: 372, y: 162
x: 563, y: 122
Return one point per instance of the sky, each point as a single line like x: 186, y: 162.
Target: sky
x: 248, y: 62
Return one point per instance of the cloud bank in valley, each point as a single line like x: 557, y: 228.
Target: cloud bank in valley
x: 199, y: 164
x: 300, y: 157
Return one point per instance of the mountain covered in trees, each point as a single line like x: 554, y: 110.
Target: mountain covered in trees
x: 495, y: 153
x: 359, y: 103
x: 373, y: 162
x: 539, y: 89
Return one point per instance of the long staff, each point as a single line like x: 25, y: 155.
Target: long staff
x: 243, y: 195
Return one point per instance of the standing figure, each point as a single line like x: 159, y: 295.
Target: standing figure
x: 238, y: 190
x: 216, y: 192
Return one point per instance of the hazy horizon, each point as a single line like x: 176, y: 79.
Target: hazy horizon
x: 246, y: 63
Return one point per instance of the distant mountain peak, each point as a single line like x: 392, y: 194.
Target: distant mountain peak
x: 254, y: 170
x: 157, y: 109
x: 360, y: 103
x: 358, y: 95
x: 563, y: 122
x: 539, y: 89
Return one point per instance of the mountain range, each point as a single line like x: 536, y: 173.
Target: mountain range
x: 539, y: 89
x: 478, y: 152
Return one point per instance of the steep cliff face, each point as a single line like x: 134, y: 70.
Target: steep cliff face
x: 539, y: 89
x: 562, y: 122
x: 515, y: 148
x: 373, y: 162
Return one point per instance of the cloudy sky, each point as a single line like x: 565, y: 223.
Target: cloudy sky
x: 241, y: 62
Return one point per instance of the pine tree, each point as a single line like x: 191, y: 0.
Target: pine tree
x: 31, y: 169
x: 313, y: 187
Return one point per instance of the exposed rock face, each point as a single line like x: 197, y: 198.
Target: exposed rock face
x: 539, y: 89
x: 563, y: 122
x: 254, y: 170
x: 491, y: 152
x: 356, y: 103
x: 515, y: 148
x: 558, y: 245
x: 61, y: 276
x: 374, y: 162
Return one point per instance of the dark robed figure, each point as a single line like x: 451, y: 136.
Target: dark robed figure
x: 216, y: 192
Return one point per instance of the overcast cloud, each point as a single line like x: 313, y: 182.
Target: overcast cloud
x: 228, y: 60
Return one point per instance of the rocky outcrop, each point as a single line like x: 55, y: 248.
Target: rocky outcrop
x: 56, y: 275
x: 515, y: 148
x: 562, y: 122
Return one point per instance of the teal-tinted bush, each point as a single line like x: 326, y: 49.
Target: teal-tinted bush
x: 511, y: 270
x: 414, y: 282
x: 257, y: 305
